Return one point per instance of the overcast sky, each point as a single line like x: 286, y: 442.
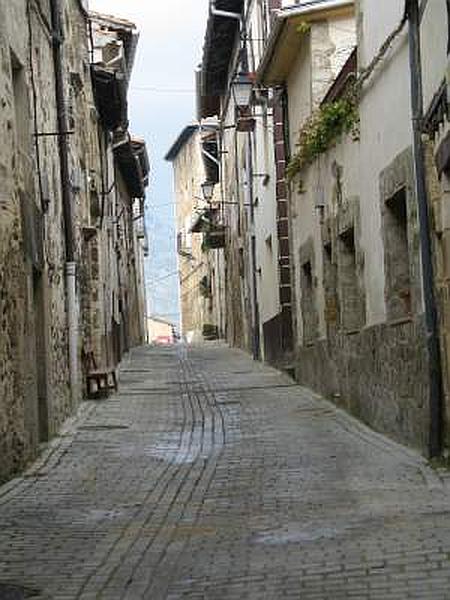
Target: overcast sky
x: 169, y: 49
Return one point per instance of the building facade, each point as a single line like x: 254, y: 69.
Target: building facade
x: 251, y: 194
x: 335, y: 260
x: 197, y: 320
x: 51, y: 244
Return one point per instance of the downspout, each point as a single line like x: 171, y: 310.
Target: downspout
x: 70, y: 267
x: 256, y: 342
x: 256, y: 337
x: 223, y: 13
x: 431, y: 312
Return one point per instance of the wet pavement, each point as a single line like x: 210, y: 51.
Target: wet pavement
x: 213, y: 477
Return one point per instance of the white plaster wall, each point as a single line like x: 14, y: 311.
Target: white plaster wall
x: 434, y: 34
x: 265, y: 226
x: 266, y: 222
x: 319, y: 188
x: 385, y: 132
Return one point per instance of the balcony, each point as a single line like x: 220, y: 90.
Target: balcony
x: 214, y: 239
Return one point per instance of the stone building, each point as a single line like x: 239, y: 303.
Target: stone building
x: 357, y: 239
x: 49, y: 190
x: 255, y: 263
x: 435, y: 48
x: 327, y: 255
x: 114, y: 303
x: 194, y: 274
x: 160, y: 331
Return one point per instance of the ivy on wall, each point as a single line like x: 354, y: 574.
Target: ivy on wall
x: 322, y: 131
x: 333, y: 119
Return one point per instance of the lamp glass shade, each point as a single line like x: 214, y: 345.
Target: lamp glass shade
x: 207, y: 190
x: 242, y: 88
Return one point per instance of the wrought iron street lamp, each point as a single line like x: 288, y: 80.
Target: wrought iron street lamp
x: 207, y: 190
x: 242, y: 87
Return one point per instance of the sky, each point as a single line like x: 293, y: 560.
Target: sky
x: 161, y: 104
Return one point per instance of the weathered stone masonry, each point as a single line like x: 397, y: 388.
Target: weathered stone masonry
x: 34, y: 395
x: 378, y: 372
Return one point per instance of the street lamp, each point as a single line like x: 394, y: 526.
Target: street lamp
x: 208, y: 190
x: 242, y: 87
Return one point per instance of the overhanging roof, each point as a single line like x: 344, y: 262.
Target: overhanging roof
x: 139, y: 148
x: 110, y: 92
x: 126, y: 31
x: 284, y: 41
x: 132, y: 160
x: 220, y: 40
x: 181, y: 140
x: 207, y: 106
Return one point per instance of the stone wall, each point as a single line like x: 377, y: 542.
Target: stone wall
x: 193, y: 265
x: 34, y: 392
x: 379, y: 374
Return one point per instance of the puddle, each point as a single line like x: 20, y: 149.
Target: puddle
x: 166, y: 453
x: 297, y: 534
x: 97, y: 515
x: 103, y: 427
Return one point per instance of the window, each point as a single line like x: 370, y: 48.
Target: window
x: 330, y: 281
x: 350, y: 297
x: 21, y: 108
x: 396, y: 256
x: 308, y: 303
x: 187, y: 233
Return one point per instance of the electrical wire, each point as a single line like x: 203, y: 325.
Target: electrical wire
x: 43, y: 200
x: 158, y: 90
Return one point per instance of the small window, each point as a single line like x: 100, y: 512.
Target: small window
x: 396, y: 256
x: 350, y: 297
x: 21, y: 107
x: 330, y: 282
x: 187, y: 233
x: 308, y: 303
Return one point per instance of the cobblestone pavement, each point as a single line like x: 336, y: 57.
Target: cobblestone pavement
x: 212, y: 477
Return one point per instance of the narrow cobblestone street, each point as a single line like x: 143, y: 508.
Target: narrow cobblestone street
x: 213, y: 477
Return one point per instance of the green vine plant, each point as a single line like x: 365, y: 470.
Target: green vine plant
x: 322, y: 131
x: 325, y: 127
x: 303, y: 28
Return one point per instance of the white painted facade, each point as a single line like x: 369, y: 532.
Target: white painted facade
x: 386, y: 131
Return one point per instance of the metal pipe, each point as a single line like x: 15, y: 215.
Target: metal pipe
x: 431, y: 311
x: 72, y: 312
x: 256, y: 341
x: 210, y: 156
x: 62, y: 127
x: 224, y: 13
x: 72, y: 315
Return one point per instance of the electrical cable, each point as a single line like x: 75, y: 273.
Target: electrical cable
x: 43, y: 201
x: 157, y: 90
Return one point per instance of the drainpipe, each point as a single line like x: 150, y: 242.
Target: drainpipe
x: 223, y: 13
x: 256, y: 341
x: 70, y: 270
x: 431, y: 311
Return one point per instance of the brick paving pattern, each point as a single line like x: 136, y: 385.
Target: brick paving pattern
x: 213, y: 477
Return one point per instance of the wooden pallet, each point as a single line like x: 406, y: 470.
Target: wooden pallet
x: 99, y: 381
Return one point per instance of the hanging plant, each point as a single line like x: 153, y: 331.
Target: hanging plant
x: 205, y: 287
x: 322, y: 131
x: 303, y: 28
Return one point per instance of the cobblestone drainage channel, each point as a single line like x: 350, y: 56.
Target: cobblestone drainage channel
x: 16, y: 592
